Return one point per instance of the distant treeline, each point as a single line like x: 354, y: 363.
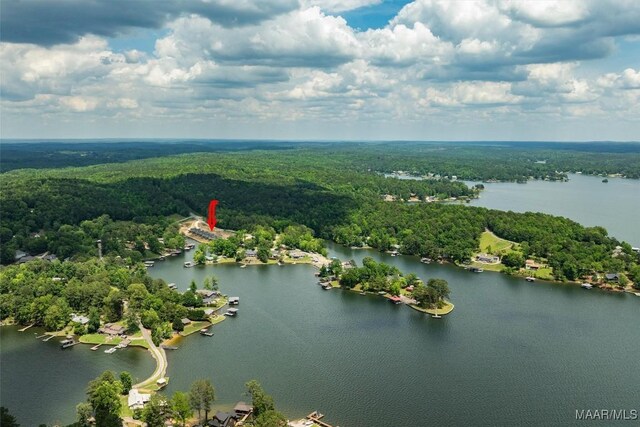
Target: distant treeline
x: 504, y: 161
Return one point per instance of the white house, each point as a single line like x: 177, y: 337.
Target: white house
x: 136, y: 400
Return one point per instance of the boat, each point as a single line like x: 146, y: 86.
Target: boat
x: 67, y: 343
x: 231, y: 312
x: 172, y: 286
x: 425, y: 260
x: 234, y: 300
x: 327, y: 286
x: 637, y: 294
x: 476, y: 269
x: 188, y: 264
x: 530, y: 279
x: 586, y: 286
x: 110, y: 350
x: 243, y: 266
x: 148, y: 264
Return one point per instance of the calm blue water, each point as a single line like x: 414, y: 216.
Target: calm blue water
x: 584, y: 199
x: 512, y: 352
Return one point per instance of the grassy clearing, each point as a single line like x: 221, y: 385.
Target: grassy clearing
x: 489, y: 242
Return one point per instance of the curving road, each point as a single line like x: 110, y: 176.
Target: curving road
x: 159, y: 355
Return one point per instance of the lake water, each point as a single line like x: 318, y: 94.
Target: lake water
x: 40, y: 383
x: 512, y: 352
x: 584, y: 199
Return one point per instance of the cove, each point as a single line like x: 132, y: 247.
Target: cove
x: 40, y: 383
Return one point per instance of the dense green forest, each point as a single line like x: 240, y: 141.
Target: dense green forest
x: 46, y: 293
x: 333, y: 191
x: 504, y: 161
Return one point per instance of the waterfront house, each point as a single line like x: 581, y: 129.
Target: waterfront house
x: 136, y: 400
x: 223, y: 419
x: 251, y: 253
x: 209, y: 311
x: 208, y: 296
x: 486, y: 258
x: 612, y: 277
x: 274, y: 254
x: 296, y: 254
x: 112, y: 329
x: 531, y: 265
x: 185, y: 321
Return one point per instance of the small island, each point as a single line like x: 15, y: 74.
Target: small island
x: 382, y: 279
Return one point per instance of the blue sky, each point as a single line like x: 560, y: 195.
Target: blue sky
x: 321, y: 69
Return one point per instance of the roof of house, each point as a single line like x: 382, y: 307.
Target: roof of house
x: 611, y: 276
x: 136, y: 398
x: 243, y: 407
x: 185, y: 321
x: 206, y: 293
x: 112, y: 328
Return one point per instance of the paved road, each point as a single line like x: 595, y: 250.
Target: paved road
x: 161, y: 360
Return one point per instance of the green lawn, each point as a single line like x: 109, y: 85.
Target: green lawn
x: 488, y: 240
x: 217, y: 319
x: 99, y: 339
x: 139, y: 342
x: 194, y: 327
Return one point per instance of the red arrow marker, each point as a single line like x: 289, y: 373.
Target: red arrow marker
x: 211, y: 219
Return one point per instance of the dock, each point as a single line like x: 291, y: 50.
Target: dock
x: 26, y: 327
x: 205, y: 332
x: 231, y: 312
x: 95, y: 347
x: 41, y: 336
x: 168, y: 347
x: 48, y: 338
x: 316, y: 417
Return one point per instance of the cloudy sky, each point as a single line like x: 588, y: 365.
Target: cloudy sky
x: 321, y: 69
